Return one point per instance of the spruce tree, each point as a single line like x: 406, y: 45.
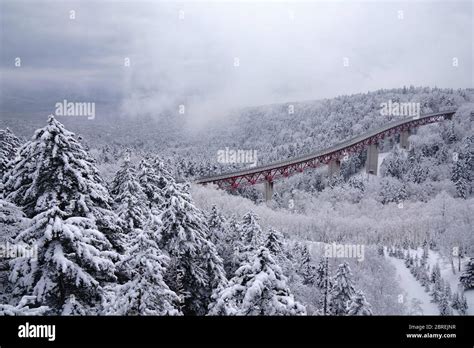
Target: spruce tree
x: 196, y: 270
x: 462, y: 305
x: 74, y: 257
x: 342, y: 290
x: 214, y: 250
x: 251, y: 237
x: 467, y: 277
x: 273, y: 242
x: 151, y: 182
x: 459, y: 303
x: 424, y: 257
x: 435, y: 274
x: 130, y: 200
x: 380, y: 250
x: 56, y: 183
x: 26, y: 307
x: 438, y: 290
x: 323, y: 281
x: 294, y: 253
x: 217, y: 279
x: 217, y: 230
x: 359, y: 305
x: 460, y: 177
x: 462, y: 170
x: 251, y: 231
x: 161, y: 170
x: 444, y: 301
x: 423, y: 277
x: 427, y: 284
x: 306, y: 268
x: 145, y: 293
x: 12, y: 222
x: 409, y: 261
x: 9, y: 145
x: 258, y: 288
x: 233, y: 245
x: 54, y: 169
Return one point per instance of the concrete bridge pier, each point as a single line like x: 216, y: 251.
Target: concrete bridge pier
x: 334, y: 167
x: 404, y: 144
x: 268, y: 191
x: 372, y: 162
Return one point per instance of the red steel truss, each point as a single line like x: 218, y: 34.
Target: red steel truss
x: 284, y: 169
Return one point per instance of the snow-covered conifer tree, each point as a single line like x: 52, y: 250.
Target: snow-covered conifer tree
x: 145, y: 293
x: 74, y: 257
x: 258, y: 288
x: 196, y: 269
x: 306, y: 268
x: 12, y: 222
x: 467, y: 277
x: 424, y: 256
x: 26, y: 307
x: 455, y: 300
x: 217, y: 232
x: 459, y: 303
x: 394, y: 164
x: 359, y: 305
x: 251, y: 237
x: 9, y: 145
x: 438, y: 290
x: 424, y: 277
x: 250, y: 230
x: 342, y: 290
x: 460, y: 178
x: 323, y: 281
x: 130, y: 200
x: 163, y: 173
x: 444, y: 301
x: 462, y: 308
x: 232, y: 246
x: 53, y: 169
x: 392, y: 190
x: 56, y: 183
x: 151, y: 182
x: 462, y: 170
x: 435, y: 273
x: 380, y: 250
x: 273, y: 242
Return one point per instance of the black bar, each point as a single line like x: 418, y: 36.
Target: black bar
x: 289, y: 331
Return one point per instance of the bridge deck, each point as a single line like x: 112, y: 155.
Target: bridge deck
x: 338, y: 147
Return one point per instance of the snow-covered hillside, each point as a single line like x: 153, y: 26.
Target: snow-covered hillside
x: 112, y: 223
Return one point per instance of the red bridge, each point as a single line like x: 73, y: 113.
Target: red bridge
x: 331, y: 156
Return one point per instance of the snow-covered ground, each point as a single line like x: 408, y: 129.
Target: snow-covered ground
x: 414, y: 290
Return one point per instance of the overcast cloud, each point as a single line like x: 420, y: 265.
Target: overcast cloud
x: 286, y: 52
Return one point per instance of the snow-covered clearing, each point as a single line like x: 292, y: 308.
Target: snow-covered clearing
x: 414, y: 290
x: 448, y: 275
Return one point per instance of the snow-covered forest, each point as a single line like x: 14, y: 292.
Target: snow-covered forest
x: 106, y: 219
